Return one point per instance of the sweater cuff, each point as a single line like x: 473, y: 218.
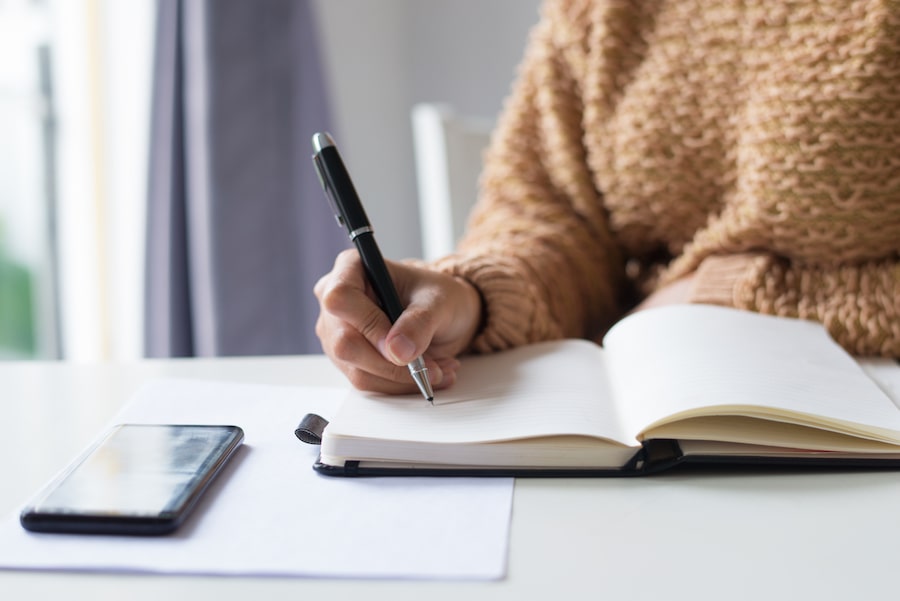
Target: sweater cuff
x: 719, y: 279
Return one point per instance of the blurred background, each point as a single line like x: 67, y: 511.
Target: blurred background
x: 156, y: 193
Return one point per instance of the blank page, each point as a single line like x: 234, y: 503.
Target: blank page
x: 549, y: 389
x: 680, y: 359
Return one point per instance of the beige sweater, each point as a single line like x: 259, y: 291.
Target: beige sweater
x: 755, y: 143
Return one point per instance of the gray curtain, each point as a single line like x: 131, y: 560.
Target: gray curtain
x: 238, y: 228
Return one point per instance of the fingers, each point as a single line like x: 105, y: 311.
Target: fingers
x: 367, y: 369
x: 343, y: 294
x: 358, y: 337
x: 364, y: 366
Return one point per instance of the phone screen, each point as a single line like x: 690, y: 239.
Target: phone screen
x: 139, y: 479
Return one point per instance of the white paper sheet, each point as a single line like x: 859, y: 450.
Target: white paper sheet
x: 269, y: 513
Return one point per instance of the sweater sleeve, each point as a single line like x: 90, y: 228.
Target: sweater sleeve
x: 538, y: 247
x: 858, y: 303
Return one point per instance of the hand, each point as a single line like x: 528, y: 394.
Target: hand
x: 441, y: 317
x: 675, y: 293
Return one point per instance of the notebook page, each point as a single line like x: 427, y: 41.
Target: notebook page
x: 678, y: 359
x: 548, y: 389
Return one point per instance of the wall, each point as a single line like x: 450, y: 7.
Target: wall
x: 382, y: 58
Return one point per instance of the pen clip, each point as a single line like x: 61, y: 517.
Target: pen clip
x: 329, y: 192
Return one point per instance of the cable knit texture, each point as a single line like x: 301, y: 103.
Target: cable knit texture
x: 753, y: 143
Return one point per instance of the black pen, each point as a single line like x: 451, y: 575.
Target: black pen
x: 349, y: 213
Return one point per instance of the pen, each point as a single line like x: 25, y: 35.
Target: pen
x: 349, y: 213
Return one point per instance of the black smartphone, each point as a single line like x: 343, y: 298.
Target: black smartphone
x: 138, y: 479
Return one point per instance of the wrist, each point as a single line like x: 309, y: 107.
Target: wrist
x: 475, y: 308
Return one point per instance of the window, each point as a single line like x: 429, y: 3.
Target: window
x: 74, y: 111
x: 28, y: 275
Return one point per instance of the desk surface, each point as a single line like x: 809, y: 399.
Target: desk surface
x: 680, y: 536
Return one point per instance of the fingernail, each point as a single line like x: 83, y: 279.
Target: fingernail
x: 402, y: 349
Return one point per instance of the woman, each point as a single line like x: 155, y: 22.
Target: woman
x: 738, y: 153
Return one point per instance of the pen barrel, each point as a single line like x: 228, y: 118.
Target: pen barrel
x: 346, y: 200
x: 378, y: 274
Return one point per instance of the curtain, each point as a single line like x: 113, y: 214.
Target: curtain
x: 238, y: 228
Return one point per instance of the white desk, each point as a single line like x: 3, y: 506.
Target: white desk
x: 687, y: 536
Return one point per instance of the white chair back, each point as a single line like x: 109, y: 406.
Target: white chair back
x: 448, y: 152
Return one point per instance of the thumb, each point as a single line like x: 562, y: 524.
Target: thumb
x: 409, y: 337
x: 399, y: 349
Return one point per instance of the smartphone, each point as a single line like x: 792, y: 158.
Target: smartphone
x: 138, y: 479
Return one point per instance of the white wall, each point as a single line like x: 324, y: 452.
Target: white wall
x: 382, y: 58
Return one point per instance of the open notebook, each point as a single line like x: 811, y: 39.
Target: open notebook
x: 671, y: 385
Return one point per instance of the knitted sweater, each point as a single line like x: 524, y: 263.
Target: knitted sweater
x: 753, y: 143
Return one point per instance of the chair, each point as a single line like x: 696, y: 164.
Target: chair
x: 448, y: 152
